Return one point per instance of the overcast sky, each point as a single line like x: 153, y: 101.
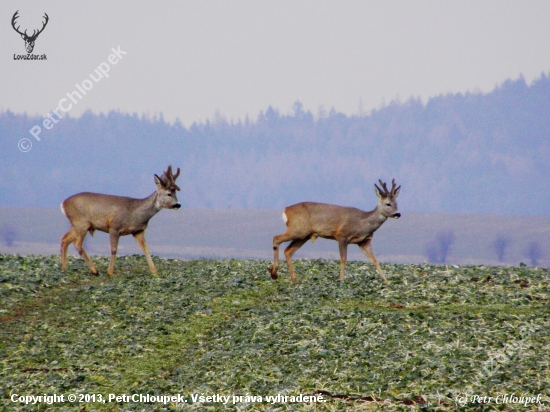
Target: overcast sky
x: 190, y: 59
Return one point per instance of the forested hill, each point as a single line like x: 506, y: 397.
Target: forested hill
x: 469, y: 153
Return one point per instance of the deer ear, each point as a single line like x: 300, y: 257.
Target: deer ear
x: 378, y: 192
x: 159, y: 182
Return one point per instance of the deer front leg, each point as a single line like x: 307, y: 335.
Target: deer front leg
x: 367, y: 249
x: 273, y: 269
x: 277, y: 240
x: 140, y: 239
x: 113, y: 237
x: 343, y: 247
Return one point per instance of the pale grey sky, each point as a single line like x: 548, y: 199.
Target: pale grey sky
x: 189, y: 59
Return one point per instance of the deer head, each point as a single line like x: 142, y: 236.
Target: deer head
x: 386, y: 202
x: 29, y: 40
x: 166, y: 189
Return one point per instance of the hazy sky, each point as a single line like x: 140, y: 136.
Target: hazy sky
x: 189, y: 59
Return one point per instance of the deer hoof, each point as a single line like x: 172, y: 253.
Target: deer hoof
x: 272, y: 273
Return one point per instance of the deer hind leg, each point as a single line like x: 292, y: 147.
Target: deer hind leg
x: 289, y: 251
x: 140, y: 239
x: 367, y: 249
x: 69, y: 238
x: 343, y: 247
x: 113, y: 238
x: 78, y: 241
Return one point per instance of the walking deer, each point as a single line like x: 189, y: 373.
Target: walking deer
x: 117, y: 216
x: 346, y: 225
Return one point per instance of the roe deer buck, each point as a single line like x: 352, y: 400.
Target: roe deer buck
x: 116, y: 215
x: 346, y: 225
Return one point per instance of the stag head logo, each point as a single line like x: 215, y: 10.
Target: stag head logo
x: 29, y: 40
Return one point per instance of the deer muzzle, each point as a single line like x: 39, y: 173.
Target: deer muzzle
x: 397, y: 216
x: 176, y: 206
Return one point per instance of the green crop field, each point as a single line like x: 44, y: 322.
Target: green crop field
x: 436, y: 338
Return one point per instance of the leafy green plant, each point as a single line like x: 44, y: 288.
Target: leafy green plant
x: 225, y: 327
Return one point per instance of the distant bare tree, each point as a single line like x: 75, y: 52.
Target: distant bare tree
x: 500, y: 244
x: 438, y: 249
x: 534, y: 253
x: 431, y: 252
x: 8, y: 234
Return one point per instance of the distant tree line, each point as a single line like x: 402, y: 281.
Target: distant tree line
x: 468, y: 153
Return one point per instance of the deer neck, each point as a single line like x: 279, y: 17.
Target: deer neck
x: 376, y: 218
x: 149, y: 207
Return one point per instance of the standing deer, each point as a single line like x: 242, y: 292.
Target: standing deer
x: 346, y: 225
x: 117, y: 216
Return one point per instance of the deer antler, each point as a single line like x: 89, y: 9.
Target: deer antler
x: 43, y: 27
x: 393, y: 188
x: 177, y: 174
x: 15, y: 16
x: 170, y: 175
x: 169, y: 179
x: 386, y: 193
x: 34, y: 33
